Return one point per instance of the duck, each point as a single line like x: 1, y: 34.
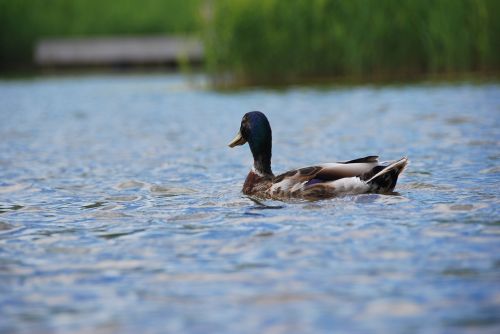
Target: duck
x: 326, y: 180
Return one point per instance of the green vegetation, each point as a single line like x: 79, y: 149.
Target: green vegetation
x: 268, y: 41
x: 282, y: 41
x: 22, y: 22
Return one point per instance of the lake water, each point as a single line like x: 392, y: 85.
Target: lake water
x: 121, y: 210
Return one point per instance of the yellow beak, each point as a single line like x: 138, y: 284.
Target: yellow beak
x: 238, y: 140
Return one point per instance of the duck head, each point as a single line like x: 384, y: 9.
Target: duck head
x: 256, y: 131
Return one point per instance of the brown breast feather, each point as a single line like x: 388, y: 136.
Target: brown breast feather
x: 255, y: 184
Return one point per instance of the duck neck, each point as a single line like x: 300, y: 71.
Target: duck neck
x: 262, y: 164
x: 261, y: 145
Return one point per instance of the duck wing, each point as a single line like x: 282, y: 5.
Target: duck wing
x: 370, y: 158
x: 298, y: 178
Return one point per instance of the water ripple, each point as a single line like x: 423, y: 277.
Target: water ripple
x: 121, y: 210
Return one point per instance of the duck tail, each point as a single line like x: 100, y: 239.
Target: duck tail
x: 385, y: 180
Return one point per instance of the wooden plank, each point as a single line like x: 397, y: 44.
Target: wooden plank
x: 117, y: 50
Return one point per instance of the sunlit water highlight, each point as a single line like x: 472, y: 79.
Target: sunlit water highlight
x: 121, y: 211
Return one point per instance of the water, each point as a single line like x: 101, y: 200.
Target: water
x: 121, y: 210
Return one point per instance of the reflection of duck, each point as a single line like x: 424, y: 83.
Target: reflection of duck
x: 357, y: 176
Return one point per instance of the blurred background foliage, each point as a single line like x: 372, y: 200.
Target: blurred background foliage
x: 285, y: 40
x: 281, y: 40
x: 23, y: 22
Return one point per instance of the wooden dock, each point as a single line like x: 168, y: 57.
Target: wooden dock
x: 110, y: 51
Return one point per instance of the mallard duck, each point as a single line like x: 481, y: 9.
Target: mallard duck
x: 363, y: 175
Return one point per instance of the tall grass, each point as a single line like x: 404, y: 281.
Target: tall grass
x: 22, y: 22
x: 286, y: 40
x: 281, y: 40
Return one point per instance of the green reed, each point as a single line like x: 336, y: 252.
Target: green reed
x: 286, y: 40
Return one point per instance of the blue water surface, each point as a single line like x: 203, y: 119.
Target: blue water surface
x: 121, y: 209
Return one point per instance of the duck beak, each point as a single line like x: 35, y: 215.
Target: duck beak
x: 237, y: 141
